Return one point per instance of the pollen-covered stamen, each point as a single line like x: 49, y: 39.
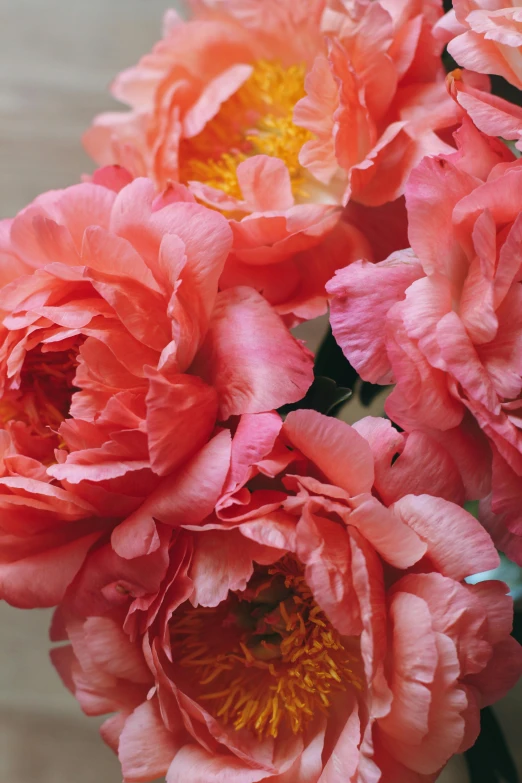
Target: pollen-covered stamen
x: 46, y: 386
x: 256, y: 120
x: 278, y: 658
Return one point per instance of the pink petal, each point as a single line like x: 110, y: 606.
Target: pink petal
x: 308, y: 764
x: 181, y: 415
x: 223, y: 560
x: 415, y: 662
x: 476, y: 53
x: 491, y: 114
x: 433, y: 190
x: 253, y: 440
x: 185, y: 499
x: 323, y: 546
x: 39, y: 578
x: 316, y: 113
x: 426, y: 673
x: 265, y: 184
x: 345, y: 756
x: 362, y: 294
x: 146, y: 747
x: 196, y: 764
x: 396, y: 543
x: 239, y: 361
x: 211, y: 98
x: 457, y: 544
x: 334, y: 447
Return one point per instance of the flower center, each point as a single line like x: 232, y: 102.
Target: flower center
x: 267, y: 656
x: 256, y: 120
x: 43, y: 398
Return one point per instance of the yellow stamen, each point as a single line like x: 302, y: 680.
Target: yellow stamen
x: 256, y: 120
x: 312, y: 664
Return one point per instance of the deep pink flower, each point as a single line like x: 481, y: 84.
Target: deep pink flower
x: 118, y: 356
x: 442, y: 320
x: 314, y: 627
x: 277, y: 113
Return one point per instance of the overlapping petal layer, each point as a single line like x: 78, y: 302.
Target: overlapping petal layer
x: 308, y: 624
x: 119, y: 360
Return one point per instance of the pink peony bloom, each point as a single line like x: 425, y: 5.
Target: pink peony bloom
x: 442, y: 320
x: 278, y: 113
x: 118, y: 356
x: 485, y: 36
x: 313, y: 628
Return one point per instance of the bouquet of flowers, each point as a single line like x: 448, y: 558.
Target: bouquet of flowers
x: 249, y: 587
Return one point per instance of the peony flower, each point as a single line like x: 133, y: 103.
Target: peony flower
x: 442, y: 320
x: 278, y: 113
x: 485, y: 36
x: 314, y: 627
x: 118, y: 356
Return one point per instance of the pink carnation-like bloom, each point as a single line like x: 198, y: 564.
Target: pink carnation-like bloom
x: 277, y: 113
x: 118, y: 357
x: 442, y: 320
x: 485, y: 36
x: 314, y: 627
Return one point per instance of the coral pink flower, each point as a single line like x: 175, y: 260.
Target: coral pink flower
x: 277, y: 113
x: 443, y: 321
x: 485, y: 36
x: 307, y: 631
x: 118, y: 356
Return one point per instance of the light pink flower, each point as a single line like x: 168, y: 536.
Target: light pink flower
x: 278, y: 113
x: 305, y: 631
x: 442, y: 320
x: 118, y: 356
x: 485, y: 36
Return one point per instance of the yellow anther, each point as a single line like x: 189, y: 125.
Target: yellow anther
x: 249, y: 692
x: 256, y: 120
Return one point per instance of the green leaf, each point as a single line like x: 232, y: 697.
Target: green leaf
x: 369, y: 391
x: 473, y: 507
x: 330, y: 362
x: 489, y: 760
x: 323, y: 395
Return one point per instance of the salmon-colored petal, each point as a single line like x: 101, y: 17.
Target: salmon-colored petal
x: 238, y: 359
x: 184, y: 500
x: 432, y: 193
x: 361, y: 296
x: 448, y: 531
x: 214, y: 578
x: 205, y: 767
x: 40, y: 576
x: 181, y: 415
x: 398, y: 544
x: 265, y: 184
x: 339, y: 452
x: 325, y: 550
x: 139, y: 759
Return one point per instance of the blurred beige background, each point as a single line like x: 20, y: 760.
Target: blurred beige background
x: 56, y: 59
